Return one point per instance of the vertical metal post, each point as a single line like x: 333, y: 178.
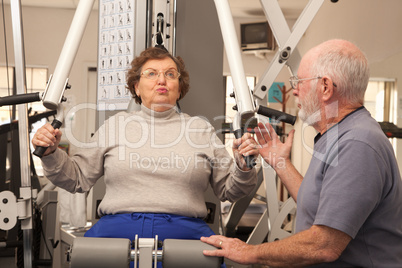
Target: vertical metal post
x: 173, y: 38
x: 244, y: 101
x: 142, y: 24
x: 19, y: 54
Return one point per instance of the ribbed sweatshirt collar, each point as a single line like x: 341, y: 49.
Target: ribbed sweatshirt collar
x: 148, y: 113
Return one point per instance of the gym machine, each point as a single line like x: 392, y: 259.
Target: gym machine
x: 249, y: 104
x: 175, y: 253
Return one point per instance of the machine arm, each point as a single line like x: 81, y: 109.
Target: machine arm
x: 244, y: 101
x: 56, y: 85
x: 58, y: 82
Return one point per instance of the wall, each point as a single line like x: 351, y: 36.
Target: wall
x: 200, y: 45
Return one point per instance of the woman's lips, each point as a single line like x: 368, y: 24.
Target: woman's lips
x: 162, y: 90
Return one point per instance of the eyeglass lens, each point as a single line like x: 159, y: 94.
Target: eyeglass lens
x: 152, y: 74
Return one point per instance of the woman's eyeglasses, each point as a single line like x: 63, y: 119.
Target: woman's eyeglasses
x: 152, y: 74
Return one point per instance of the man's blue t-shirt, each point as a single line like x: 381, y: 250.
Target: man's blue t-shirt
x: 353, y: 185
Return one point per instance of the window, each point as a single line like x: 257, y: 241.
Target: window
x: 36, y: 78
x: 6, y: 83
x: 36, y: 82
x: 381, y: 101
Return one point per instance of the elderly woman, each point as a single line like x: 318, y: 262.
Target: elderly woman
x: 156, y: 162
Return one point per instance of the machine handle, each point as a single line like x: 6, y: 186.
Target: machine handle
x: 250, y: 160
x: 277, y: 115
x: 40, y: 150
x: 21, y: 98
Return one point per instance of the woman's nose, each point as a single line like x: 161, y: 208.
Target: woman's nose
x: 161, y: 78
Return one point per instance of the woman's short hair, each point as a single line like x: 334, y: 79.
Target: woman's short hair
x: 155, y: 53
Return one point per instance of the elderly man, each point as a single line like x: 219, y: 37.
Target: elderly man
x: 349, y: 203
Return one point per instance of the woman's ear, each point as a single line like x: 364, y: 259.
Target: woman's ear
x: 137, y: 91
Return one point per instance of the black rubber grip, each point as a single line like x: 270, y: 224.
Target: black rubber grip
x: 250, y: 160
x: 40, y: 150
x: 19, y: 99
x: 277, y: 115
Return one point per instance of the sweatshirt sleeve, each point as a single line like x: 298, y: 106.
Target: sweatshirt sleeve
x: 79, y: 172
x: 228, y: 181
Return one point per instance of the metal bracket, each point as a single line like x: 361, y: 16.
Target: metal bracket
x: 161, y: 23
x: 147, y: 248
x: 8, y: 210
x: 12, y: 209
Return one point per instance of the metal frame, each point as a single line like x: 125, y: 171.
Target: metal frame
x: 288, y: 55
x: 64, y: 64
x: 287, y: 41
x: 271, y: 221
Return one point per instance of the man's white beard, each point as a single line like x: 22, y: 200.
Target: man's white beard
x: 310, y: 112
x: 310, y: 119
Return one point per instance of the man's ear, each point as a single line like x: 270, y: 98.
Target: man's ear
x: 327, y: 88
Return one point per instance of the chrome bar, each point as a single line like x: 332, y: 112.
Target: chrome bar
x: 20, y: 75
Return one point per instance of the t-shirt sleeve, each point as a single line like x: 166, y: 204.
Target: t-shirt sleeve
x: 352, y: 187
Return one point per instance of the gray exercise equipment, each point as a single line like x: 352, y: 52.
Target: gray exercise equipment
x: 118, y: 252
